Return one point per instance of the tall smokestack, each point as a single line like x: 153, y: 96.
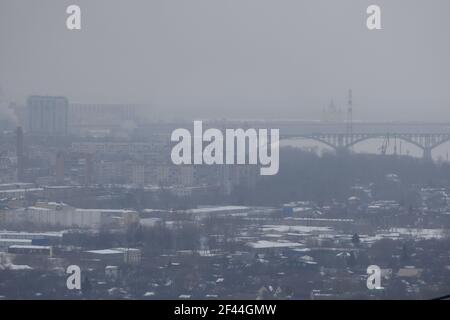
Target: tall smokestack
x: 59, y: 170
x: 19, y: 153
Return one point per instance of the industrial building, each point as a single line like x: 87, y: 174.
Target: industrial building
x: 30, y: 249
x: 117, y: 256
x: 64, y: 216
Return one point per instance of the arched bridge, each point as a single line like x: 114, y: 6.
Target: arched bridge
x: 341, y: 141
x: 424, y: 135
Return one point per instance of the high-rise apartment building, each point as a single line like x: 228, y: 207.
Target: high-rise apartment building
x: 47, y: 115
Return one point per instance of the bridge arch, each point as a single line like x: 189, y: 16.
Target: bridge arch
x: 311, y: 138
x: 340, y: 141
x: 441, y: 151
x: 440, y: 143
x: 425, y: 143
x: 381, y: 136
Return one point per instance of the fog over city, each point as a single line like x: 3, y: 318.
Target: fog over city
x: 232, y: 59
x: 224, y: 149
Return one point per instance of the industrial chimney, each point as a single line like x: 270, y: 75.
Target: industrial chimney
x: 59, y: 170
x: 19, y: 154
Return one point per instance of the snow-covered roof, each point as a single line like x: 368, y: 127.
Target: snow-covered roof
x: 263, y: 244
x: 105, y: 251
x: 29, y: 247
x: 217, y: 209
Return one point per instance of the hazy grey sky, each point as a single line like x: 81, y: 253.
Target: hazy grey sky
x: 233, y: 58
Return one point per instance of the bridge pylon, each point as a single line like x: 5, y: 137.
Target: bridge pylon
x: 342, y: 150
x: 427, y: 154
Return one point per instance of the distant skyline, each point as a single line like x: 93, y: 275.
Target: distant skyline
x: 233, y: 59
